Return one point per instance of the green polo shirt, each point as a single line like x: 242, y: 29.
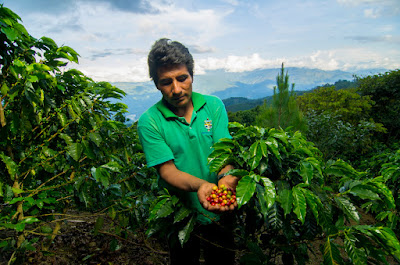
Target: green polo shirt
x: 165, y: 136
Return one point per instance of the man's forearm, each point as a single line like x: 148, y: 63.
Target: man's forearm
x: 178, y: 178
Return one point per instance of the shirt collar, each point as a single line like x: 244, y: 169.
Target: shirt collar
x: 197, y: 99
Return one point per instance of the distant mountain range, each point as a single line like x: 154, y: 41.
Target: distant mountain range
x: 251, y: 85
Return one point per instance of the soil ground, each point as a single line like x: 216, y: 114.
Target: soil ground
x: 77, y: 244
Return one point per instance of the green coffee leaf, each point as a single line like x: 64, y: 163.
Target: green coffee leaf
x: 270, y: 192
x: 384, y: 191
x: 112, y: 166
x: 261, y: 200
x: 255, y: 154
x: 331, y: 253
x: 68, y: 140
x: 237, y: 172
x: 341, y: 169
x: 156, y: 208
x: 165, y: 210
x: 264, y: 149
x: 313, y: 202
x: 103, y: 175
x: 75, y: 150
x: 253, y: 149
x: 95, y: 138
x: 273, y: 146
x: 245, y: 190
x: 285, y: 198
x: 184, y: 234
x: 29, y: 220
x: 62, y: 118
x: 181, y: 214
x: 357, y: 254
x: 306, y: 171
x: 10, y: 33
x: 4, y: 89
x: 278, y: 135
x: 19, y: 227
x: 364, y: 193
x: 224, y: 143
x: 12, y: 167
x: 88, y: 150
x: 219, y: 162
x: 348, y: 208
x: 17, y: 199
x: 299, y: 204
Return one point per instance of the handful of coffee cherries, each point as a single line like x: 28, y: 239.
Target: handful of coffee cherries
x: 222, y: 196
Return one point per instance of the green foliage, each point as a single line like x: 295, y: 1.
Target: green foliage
x: 339, y: 122
x: 63, y: 145
x: 390, y: 173
x: 169, y: 216
x: 346, y: 103
x: 384, y: 90
x: 60, y: 147
x: 245, y: 117
x: 283, y: 111
x: 339, y: 139
x: 285, y: 201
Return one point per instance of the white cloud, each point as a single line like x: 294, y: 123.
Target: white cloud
x: 375, y: 8
x: 234, y: 63
x: 337, y: 59
x: 371, y: 13
x: 231, y: 2
x: 347, y: 59
x: 360, y: 2
x: 116, y: 69
x: 187, y: 26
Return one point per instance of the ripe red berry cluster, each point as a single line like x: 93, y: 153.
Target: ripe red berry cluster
x: 222, y: 196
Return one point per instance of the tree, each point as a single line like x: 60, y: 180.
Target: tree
x: 246, y: 117
x: 339, y: 122
x: 384, y: 90
x: 347, y: 103
x: 283, y: 112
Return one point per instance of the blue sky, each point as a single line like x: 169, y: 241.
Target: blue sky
x: 113, y: 37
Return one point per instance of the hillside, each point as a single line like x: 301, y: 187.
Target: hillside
x: 241, y: 103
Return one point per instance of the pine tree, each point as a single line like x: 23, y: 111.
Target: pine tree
x: 283, y: 110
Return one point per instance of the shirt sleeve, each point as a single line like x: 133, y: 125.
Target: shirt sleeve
x: 220, y: 123
x: 154, y: 146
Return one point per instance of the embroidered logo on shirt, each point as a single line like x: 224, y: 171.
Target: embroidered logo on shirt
x: 208, y: 124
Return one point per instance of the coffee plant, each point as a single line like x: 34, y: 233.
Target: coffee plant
x: 287, y: 202
x: 390, y: 172
x: 62, y: 148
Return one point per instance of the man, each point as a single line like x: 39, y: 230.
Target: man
x: 177, y: 134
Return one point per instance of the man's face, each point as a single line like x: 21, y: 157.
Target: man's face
x: 175, y: 83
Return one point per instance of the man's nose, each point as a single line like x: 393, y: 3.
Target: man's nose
x: 176, y: 88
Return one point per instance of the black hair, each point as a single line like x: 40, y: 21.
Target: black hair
x: 166, y: 52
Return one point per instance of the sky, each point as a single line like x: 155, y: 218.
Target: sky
x: 113, y: 37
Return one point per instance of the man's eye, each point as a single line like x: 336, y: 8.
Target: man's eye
x: 182, y: 78
x: 165, y: 82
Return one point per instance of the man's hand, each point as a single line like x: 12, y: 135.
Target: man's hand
x: 205, y: 191
x: 230, y: 182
